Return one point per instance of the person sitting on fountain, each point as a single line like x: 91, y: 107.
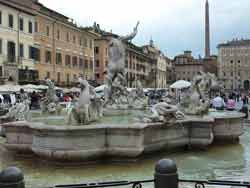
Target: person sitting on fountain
x: 231, y: 103
x: 218, y: 103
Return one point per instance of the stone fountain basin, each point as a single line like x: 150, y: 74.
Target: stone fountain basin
x: 92, y: 142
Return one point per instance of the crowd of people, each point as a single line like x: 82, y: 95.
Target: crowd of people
x: 231, y: 101
x: 9, y: 99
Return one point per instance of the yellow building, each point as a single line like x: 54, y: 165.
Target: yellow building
x: 62, y: 50
x: 17, y: 29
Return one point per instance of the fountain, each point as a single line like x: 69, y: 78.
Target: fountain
x: 95, y: 129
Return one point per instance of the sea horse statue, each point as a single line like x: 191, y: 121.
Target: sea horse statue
x: 87, y: 109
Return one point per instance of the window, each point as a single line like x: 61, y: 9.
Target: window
x: 90, y: 44
x: 97, y: 76
x: 58, y: 35
x: 86, y: 64
x: 91, y: 64
x: 48, y: 75
x: 58, y: 77
x: 36, y: 27
x: 58, y: 58
x: 0, y: 17
x: 231, y: 61
x: 11, y: 20
x: 1, y: 46
x: 86, y: 42
x: 34, y: 53
x: 81, y: 63
x: 68, y: 78
x: 21, y: 50
x: 47, y: 30
x: 21, y: 24
x: 80, y: 41
x: 68, y: 61
x: 74, y: 39
x: 75, y: 77
x: 11, y: 51
x: 67, y: 37
x: 30, y: 27
x: 239, y: 61
x: 97, y: 63
x: 106, y: 63
x: 47, y: 57
x: 74, y: 61
x: 96, y: 50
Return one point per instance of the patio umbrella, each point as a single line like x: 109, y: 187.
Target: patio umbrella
x: 100, y: 88
x: 180, y: 84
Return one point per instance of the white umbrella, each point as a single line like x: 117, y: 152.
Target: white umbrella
x: 10, y: 88
x: 180, y: 84
x: 41, y: 87
x: 75, y: 90
x: 100, y: 88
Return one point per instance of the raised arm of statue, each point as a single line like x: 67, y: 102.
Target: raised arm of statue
x: 132, y: 35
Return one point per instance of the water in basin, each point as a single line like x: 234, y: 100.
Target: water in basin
x: 125, y: 118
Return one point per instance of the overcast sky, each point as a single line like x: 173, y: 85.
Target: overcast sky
x: 174, y: 25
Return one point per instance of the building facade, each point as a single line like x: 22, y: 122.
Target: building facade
x: 138, y: 66
x: 234, y: 64
x: 160, y: 66
x: 101, y: 59
x: 186, y: 66
x: 170, y: 72
x: 17, y: 30
x: 211, y: 64
x: 37, y: 43
x: 62, y: 51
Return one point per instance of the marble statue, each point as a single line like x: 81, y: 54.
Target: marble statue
x: 163, y: 112
x: 50, y: 102
x: 137, y: 97
x: 87, y: 109
x: 196, y: 101
x: 116, y: 94
x: 20, y: 111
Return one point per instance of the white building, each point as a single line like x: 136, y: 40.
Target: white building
x: 17, y: 28
x: 234, y: 64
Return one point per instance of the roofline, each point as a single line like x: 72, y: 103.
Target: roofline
x: 23, y: 9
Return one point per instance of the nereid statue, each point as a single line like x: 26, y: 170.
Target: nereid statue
x: 137, y: 98
x: 50, y: 102
x: 20, y: 111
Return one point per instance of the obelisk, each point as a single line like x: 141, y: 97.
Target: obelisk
x: 207, y: 30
